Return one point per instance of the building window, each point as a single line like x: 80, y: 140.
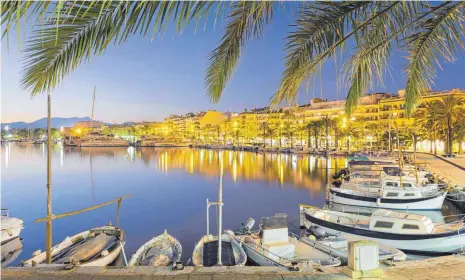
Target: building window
x: 381, y: 224
x: 409, y: 194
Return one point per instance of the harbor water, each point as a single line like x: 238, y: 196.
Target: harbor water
x: 169, y: 187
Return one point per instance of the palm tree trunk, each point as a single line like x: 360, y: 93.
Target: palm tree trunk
x: 450, y: 136
x: 327, y: 135
x: 309, y: 140
x: 316, y: 139
x: 460, y: 140
x: 348, y: 144
x: 336, y: 137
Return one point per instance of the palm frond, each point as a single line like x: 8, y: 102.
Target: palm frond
x: 327, y: 33
x: 439, y: 36
x: 85, y: 29
x: 246, y: 20
x: 369, y: 64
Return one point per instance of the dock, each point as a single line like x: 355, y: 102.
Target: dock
x: 451, y: 170
x: 440, y: 268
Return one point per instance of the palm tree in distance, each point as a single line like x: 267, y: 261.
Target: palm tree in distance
x: 67, y: 33
x: 428, y: 119
x: 315, y: 127
x: 449, y: 112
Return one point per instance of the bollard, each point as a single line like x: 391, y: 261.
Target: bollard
x: 363, y: 260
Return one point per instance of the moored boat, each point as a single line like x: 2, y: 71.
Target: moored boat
x: 339, y: 246
x: 162, y: 250
x: 274, y: 245
x: 411, y: 233
x: 205, y: 251
x: 10, y: 251
x: 10, y: 226
x: 95, y: 247
x: 389, y: 197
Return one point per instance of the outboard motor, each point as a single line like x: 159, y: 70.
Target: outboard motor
x: 319, y: 232
x: 247, y: 225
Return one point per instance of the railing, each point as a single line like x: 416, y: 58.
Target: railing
x: 353, y: 222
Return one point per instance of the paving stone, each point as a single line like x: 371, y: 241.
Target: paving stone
x: 151, y: 277
x: 10, y: 277
x: 414, y: 273
x: 80, y: 277
x: 196, y: 276
x: 176, y: 277
x: 225, y: 276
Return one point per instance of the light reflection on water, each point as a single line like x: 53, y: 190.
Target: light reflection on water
x: 169, y: 187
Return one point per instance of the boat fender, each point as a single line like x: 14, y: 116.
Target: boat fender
x: 178, y: 266
x: 312, y: 237
x: 318, y: 231
x: 105, y: 253
x: 294, y: 267
x: 378, y: 201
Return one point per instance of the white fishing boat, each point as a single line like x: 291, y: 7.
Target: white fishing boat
x: 10, y: 251
x: 411, y: 233
x: 10, y: 227
x: 95, y: 247
x: 424, y: 198
x: 206, y: 252
x: 339, y: 246
x: 162, y: 250
x: 274, y: 245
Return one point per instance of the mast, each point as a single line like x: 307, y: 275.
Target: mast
x: 48, y: 240
x: 220, y: 211
x: 92, y: 116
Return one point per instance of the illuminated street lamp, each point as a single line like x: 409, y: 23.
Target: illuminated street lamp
x: 78, y: 131
x: 6, y: 128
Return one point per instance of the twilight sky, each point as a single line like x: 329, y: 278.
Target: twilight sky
x: 143, y: 80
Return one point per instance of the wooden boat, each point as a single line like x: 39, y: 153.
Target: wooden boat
x: 95, y: 247
x: 411, y: 233
x: 162, y: 250
x: 10, y: 251
x: 274, y: 245
x: 205, y: 251
x: 10, y: 227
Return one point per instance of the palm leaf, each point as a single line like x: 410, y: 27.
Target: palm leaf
x: 328, y: 34
x: 439, y: 37
x: 246, y: 20
x: 85, y: 29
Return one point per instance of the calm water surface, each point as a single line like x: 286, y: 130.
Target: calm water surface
x: 169, y: 188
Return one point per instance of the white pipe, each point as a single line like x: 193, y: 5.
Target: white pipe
x: 220, y: 212
x: 208, y: 218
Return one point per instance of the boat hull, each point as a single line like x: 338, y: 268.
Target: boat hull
x: 428, y: 244
x: 67, y: 242
x: 155, y: 242
x: 11, y: 228
x: 427, y: 203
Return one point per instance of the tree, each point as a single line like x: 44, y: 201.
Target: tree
x: 460, y: 134
x: 315, y: 127
x: 75, y: 31
x: 428, y: 119
x: 449, y: 111
x: 301, y: 129
x: 289, y: 132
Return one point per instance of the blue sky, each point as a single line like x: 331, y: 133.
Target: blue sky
x: 148, y: 80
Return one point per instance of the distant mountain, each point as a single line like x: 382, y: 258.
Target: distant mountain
x: 42, y: 123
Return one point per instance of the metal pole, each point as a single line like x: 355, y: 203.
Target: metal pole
x: 208, y: 218
x: 48, y: 240
x: 92, y: 117
x: 220, y: 212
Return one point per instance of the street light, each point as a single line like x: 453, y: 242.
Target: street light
x: 6, y: 128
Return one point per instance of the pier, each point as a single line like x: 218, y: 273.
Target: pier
x: 440, y: 268
x: 452, y: 170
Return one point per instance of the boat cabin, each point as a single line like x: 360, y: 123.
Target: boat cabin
x: 400, y: 222
x: 275, y: 237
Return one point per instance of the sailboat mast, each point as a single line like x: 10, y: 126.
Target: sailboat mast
x: 92, y: 116
x: 48, y: 240
x: 220, y: 210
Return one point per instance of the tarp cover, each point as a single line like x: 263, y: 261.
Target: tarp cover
x: 210, y: 253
